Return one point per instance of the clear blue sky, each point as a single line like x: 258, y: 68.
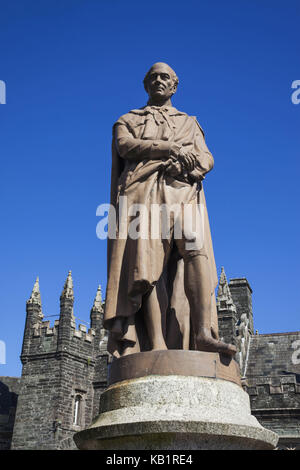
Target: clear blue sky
x: 72, y: 67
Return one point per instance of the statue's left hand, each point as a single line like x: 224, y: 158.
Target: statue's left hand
x: 173, y: 167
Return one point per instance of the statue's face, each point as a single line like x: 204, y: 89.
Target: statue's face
x: 160, y: 83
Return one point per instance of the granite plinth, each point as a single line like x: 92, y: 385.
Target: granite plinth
x: 174, y: 412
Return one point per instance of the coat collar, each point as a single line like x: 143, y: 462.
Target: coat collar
x: 170, y: 110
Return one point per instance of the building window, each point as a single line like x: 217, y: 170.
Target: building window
x: 77, y: 410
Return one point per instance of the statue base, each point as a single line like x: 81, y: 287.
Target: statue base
x: 175, y: 400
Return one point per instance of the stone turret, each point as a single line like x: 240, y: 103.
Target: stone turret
x: 242, y: 297
x: 224, y: 298
x: 35, y: 299
x: 227, y: 314
x: 235, y: 315
x: 97, y: 321
x: 97, y: 311
x: 66, y: 318
x: 34, y: 317
x: 64, y: 373
x: 102, y: 357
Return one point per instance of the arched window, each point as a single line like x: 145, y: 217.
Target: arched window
x: 77, y: 410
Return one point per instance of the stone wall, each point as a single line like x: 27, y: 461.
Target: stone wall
x: 273, y: 384
x: 57, y: 393
x: 241, y: 293
x: 227, y: 327
x: 51, y: 380
x: 274, y: 354
x: 9, y: 391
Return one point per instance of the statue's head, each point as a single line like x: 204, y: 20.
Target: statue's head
x: 160, y: 82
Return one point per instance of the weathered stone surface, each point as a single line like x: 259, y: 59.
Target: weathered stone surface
x: 175, y: 412
x: 9, y: 391
x: 273, y: 383
x: 180, y: 436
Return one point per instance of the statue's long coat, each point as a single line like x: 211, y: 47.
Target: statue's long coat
x: 135, y: 267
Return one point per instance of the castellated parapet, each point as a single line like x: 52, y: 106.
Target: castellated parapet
x: 64, y: 372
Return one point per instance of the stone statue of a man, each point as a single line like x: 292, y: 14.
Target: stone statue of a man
x: 160, y: 290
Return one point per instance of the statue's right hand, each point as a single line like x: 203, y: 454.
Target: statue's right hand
x: 188, y: 159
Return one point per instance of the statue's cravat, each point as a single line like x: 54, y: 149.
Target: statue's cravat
x: 155, y: 117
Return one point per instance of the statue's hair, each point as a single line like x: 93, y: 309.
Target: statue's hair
x: 173, y: 74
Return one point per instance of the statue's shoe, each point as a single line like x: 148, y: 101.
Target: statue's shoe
x: 209, y: 344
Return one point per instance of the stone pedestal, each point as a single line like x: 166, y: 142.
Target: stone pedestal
x: 175, y: 400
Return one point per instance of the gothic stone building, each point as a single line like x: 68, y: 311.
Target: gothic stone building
x: 65, y: 371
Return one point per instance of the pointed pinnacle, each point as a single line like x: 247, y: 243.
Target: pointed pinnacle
x: 223, y: 284
x: 35, y: 297
x: 97, y: 306
x: 224, y: 295
x: 67, y: 292
x: 223, y: 278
